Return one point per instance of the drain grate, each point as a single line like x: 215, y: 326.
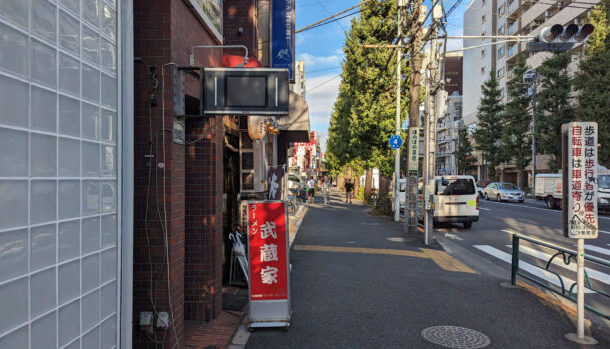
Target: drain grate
x: 455, y: 337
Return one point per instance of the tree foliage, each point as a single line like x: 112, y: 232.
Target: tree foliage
x: 489, y: 128
x: 593, y: 83
x: 363, y: 117
x: 516, y: 117
x: 554, y: 106
x: 600, y: 18
x: 465, y: 160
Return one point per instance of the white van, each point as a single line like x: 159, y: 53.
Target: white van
x: 455, y: 200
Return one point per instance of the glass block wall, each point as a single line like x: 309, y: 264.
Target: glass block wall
x: 59, y: 186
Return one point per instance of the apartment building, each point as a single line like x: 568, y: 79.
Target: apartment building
x: 479, y: 20
x: 510, y: 17
x: 451, y: 121
x: 528, y: 17
x: 447, y: 131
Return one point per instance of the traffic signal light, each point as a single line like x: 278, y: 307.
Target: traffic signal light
x: 570, y: 33
x: 561, y: 38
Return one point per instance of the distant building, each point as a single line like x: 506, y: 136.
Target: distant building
x: 299, y: 79
x: 450, y: 123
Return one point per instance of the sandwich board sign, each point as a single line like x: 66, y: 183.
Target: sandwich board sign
x: 269, y: 293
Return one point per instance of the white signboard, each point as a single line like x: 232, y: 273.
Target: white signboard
x: 413, y: 148
x: 582, y: 220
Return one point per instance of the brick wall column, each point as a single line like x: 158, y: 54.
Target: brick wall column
x: 203, y: 267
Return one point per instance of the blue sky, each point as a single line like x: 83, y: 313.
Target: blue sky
x: 321, y: 49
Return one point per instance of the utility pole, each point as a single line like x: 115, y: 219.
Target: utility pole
x: 400, y: 5
x: 416, y: 43
x: 534, y: 95
x: 435, y: 100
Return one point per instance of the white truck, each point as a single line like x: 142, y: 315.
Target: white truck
x: 549, y: 188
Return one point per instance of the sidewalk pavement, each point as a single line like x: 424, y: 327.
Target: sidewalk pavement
x: 358, y: 281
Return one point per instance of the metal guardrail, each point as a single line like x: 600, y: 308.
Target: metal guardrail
x: 568, y: 256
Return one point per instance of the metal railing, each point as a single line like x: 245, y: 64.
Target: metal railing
x: 567, y: 256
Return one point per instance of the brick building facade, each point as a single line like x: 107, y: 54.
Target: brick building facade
x: 179, y: 185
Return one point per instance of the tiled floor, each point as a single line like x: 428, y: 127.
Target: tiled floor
x: 214, y: 334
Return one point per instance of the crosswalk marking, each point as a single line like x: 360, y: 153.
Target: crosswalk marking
x: 597, y: 249
x: 540, y: 273
x: 558, y: 261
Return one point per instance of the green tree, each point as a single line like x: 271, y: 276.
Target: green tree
x: 600, y: 18
x: 465, y: 160
x: 488, y: 134
x: 363, y: 117
x: 517, y: 141
x: 554, y: 107
x: 593, y: 80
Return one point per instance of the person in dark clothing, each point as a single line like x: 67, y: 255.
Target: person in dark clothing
x: 349, y: 187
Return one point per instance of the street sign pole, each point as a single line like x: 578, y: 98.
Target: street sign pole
x: 579, y: 204
x: 580, y: 299
x: 400, y: 5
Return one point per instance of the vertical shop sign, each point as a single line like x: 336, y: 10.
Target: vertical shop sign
x: 269, y: 264
x: 580, y: 143
x: 413, y: 149
x: 282, y: 35
x: 275, y: 180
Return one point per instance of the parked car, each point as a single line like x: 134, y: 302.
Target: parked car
x: 504, y: 192
x: 455, y: 200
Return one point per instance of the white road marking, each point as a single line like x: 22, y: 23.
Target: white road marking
x: 538, y: 208
x: 453, y: 237
x: 534, y: 270
x: 522, y: 206
x: 509, y: 231
x: 484, y: 209
x: 597, y: 249
x: 605, y: 232
x: 558, y: 261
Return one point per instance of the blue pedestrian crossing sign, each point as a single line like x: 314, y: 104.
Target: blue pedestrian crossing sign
x: 395, y: 141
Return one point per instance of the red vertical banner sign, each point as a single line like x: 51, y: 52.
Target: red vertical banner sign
x: 267, y: 241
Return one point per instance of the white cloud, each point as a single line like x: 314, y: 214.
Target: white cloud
x: 321, y: 99
x: 312, y: 61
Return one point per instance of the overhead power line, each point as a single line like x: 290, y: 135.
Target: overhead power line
x: 323, y: 83
x: 332, y: 20
x: 333, y: 16
x: 325, y: 69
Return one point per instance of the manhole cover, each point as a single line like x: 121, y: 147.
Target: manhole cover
x: 455, y: 337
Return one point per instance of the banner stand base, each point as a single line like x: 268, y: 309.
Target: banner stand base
x: 262, y: 324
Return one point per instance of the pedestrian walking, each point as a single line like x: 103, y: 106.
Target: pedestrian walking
x: 325, y: 190
x: 311, y: 184
x: 349, y: 187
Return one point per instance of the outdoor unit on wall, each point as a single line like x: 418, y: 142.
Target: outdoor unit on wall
x: 231, y: 91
